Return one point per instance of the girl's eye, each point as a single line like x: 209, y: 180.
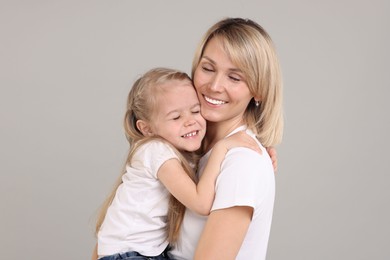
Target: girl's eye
x: 176, y: 118
x: 196, y: 112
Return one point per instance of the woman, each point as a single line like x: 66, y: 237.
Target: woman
x: 238, y: 81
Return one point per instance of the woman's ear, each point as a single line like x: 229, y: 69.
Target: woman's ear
x: 144, y: 127
x: 257, y: 101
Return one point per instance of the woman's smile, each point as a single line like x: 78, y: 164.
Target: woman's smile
x: 214, y: 101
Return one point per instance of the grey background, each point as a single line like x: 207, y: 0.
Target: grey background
x: 67, y: 66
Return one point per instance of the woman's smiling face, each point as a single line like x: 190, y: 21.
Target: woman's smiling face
x: 221, y: 86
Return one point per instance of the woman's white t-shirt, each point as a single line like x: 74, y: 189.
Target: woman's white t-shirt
x: 246, y: 179
x: 137, y: 217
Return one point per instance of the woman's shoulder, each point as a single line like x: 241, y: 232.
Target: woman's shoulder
x: 246, y: 158
x: 244, y: 155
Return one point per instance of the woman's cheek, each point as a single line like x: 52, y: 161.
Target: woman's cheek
x: 198, y: 78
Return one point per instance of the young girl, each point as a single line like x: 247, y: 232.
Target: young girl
x: 164, y: 126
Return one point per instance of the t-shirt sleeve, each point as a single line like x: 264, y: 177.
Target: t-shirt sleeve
x: 245, y: 179
x: 153, y: 154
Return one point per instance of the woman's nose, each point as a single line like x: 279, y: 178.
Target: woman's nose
x: 216, y: 83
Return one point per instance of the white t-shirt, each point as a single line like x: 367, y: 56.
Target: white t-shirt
x: 136, y: 219
x: 246, y: 179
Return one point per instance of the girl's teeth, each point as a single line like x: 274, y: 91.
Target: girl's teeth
x: 190, y: 134
x: 214, y: 101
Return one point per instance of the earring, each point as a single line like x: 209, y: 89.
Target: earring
x: 257, y: 103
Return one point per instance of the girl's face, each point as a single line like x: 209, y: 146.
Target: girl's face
x: 221, y: 86
x: 177, y: 118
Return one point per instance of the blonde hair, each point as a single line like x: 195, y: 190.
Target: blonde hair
x: 141, y: 105
x: 250, y: 48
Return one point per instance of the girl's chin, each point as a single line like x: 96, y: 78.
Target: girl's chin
x: 191, y: 148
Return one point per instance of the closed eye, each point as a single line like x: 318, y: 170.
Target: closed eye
x: 207, y: 69
x: 235, y: 77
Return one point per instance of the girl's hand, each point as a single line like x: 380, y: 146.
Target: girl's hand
x: 274, y: 157
x: 240, y: 139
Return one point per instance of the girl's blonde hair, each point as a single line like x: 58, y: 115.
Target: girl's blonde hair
x: 141, y: 105
x: 251, y: 49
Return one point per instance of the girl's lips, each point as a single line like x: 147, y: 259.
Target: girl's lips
x: 191, y: 134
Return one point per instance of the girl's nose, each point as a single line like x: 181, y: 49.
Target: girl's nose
x: 190, y: 121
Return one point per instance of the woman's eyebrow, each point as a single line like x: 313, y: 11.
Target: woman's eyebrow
x: 214, y: 63
x: 209, y: 59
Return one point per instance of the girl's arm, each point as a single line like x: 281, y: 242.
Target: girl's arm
x: 94, y: 253
x: 224, y: 233
x: 199, y: 198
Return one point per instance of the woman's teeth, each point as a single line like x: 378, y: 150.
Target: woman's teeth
x: 214, y: 101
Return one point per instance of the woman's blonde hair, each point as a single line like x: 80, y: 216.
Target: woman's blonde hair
x: 251, y: 49
x: 141, y: 105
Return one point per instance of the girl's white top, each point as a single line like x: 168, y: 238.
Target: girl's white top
x: 246, y: 179
x: 137, y: 217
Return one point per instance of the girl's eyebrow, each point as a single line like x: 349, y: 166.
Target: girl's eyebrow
x: 178, y: 110
x: 214, y: 63
x: 172, y: 112
x: 196, y: 105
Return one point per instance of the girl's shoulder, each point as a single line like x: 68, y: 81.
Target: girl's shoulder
x: 155, y: 141
x: 155, y: 147
x: 151, y: 154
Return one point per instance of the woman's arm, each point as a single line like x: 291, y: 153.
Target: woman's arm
x: 199, y: 198
x: 224, y: 233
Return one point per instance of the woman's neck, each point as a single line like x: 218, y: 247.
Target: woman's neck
x: 217, y: 131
